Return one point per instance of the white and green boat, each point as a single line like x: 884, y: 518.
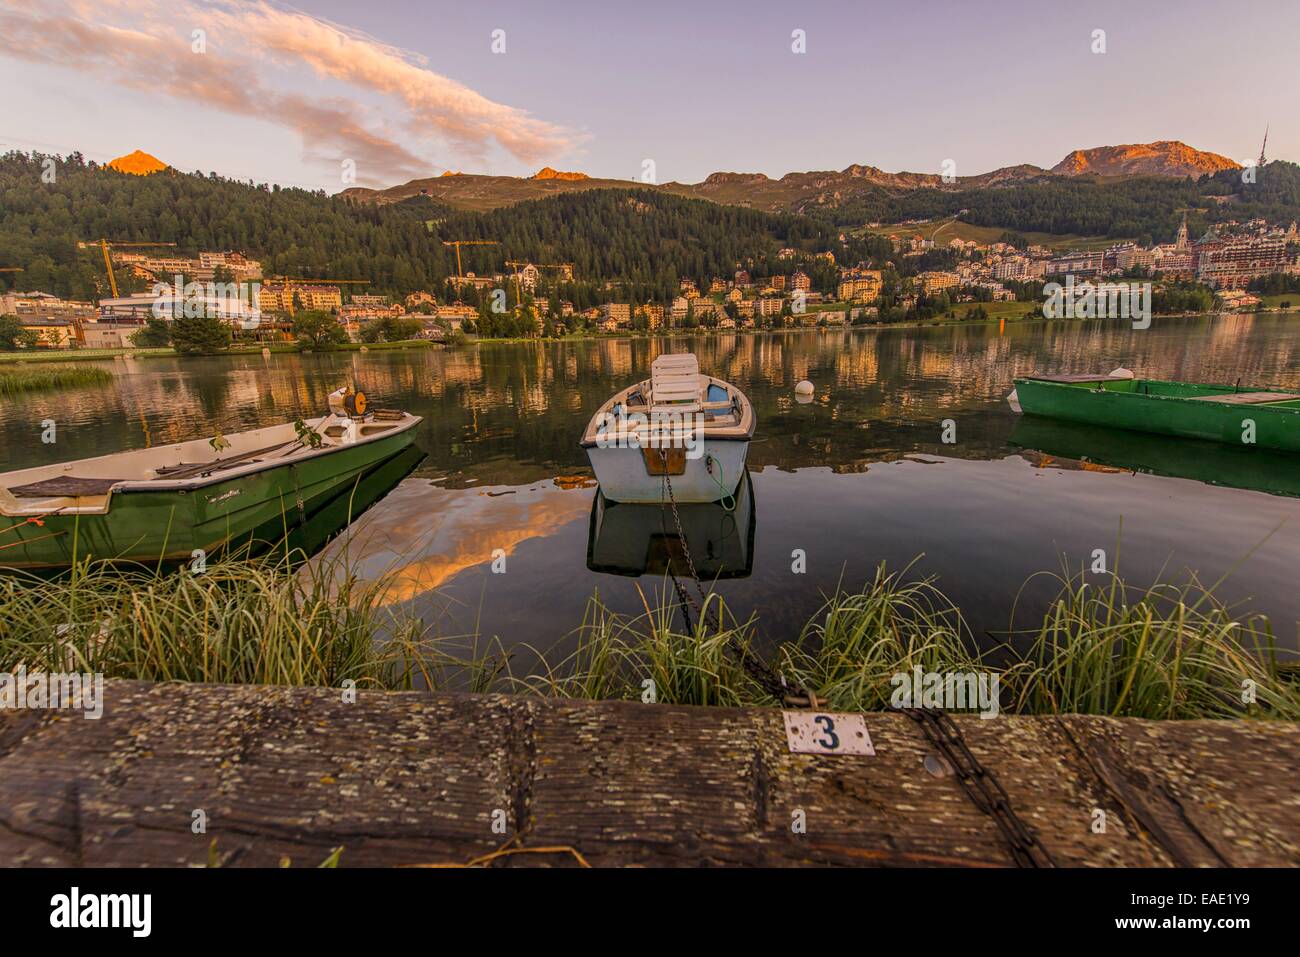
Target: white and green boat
x: 166, y: 503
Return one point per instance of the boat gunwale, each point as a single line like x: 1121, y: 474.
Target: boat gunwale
x: 1202, y: 400
x: 42, y: 507
x: 741, y: 431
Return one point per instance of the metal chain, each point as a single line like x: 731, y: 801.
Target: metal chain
x: 984, y: 790
x: 771, y: 681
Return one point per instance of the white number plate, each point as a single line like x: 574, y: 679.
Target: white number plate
x: 812, y: 732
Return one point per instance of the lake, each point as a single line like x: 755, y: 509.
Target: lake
x: 858, y: 476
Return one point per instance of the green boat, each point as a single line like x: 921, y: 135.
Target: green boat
x: 172, y: 502
x: 1236, y: 415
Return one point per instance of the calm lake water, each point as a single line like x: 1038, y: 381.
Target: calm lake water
x: 858, y: 476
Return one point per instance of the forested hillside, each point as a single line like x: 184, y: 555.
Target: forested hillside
x: 293, y: 231
x: 643, y: 240
x: 639, y: 237
x: 1146, y: 208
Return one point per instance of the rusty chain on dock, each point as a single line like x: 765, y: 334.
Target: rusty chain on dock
x: 769, y: 680
x: 981, y: 786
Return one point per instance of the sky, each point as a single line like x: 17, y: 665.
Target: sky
x: 331, y: 93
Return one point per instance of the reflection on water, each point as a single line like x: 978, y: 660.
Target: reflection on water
x: 709, y: 541
x: 856, y: 476
x: 1076, y: 445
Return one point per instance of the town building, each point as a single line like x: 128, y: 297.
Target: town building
x: 1081, y: 263
x: 859, y: 285
x: 932, y: 281
x: 1234, y: 263
x: 615, y: 314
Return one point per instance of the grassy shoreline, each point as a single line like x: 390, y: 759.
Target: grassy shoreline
x: 91, y: 355
x: 1167, y: 652
x: 17, y: 381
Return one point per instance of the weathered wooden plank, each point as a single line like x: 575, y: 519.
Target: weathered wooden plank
x: 420, y: 778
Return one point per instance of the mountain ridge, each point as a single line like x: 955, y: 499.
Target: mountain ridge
x: 1161, y: 158
x: 801, y: 191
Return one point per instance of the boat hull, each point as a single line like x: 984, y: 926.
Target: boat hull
x: 712, y: 476
x: 169, y: 525
x: 1178, y: 409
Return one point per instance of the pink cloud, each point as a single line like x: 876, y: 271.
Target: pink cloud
x: 145, y: 45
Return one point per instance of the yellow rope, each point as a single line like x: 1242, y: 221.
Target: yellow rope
x: 506, y: 850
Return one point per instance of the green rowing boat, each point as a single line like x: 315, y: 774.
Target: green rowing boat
x: 179, y: 502
x: 1265, y: 418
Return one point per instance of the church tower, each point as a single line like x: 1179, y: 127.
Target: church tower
x: 1181, y: 241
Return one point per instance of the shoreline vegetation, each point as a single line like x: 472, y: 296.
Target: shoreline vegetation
x: 281, y: 348
x: 19, y: 380
x: 1171, y: 651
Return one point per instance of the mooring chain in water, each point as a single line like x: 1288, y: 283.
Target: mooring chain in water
x: 771, y: 681
x: 981, y: 786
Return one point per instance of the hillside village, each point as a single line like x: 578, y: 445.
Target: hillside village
x: 1227, y: 261
x: 877, y: 273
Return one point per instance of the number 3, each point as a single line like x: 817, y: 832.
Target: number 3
x: 832, y: 740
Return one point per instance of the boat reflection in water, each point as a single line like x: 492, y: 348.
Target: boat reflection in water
x: 641, y: 539
x: 328, y: 518
x: 1214, y: 463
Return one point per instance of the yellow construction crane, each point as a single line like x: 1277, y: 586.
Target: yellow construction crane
x: 290, y: 281
x: 466, y: 242
x: 11, y: 268
x: 105, y: 245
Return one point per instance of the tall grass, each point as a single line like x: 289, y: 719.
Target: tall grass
x: 850, y: 649
x: 17, y: 381
x: 262, y: 621
x: 1168, y: 651
x: 1163, y: 652
x: 619, y: 656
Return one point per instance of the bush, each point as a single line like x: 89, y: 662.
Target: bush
x: 14, y: 336
x: 390, y: 329
x: 318, y: 329
x: 201, y: 335
x: 154, y: 334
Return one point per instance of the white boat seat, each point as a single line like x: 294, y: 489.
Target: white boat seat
x: 675, y: 383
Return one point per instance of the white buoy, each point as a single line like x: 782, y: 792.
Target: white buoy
x: 804, y: 388
x: 1013, y: 400
x: 266, y: 352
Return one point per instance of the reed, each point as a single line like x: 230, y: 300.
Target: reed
x: 849, y: 651
x: 1168, y: 651
x: 1172, y: 650
x: 239, y: 622
x: 655, y: 656
x: 19, y: 380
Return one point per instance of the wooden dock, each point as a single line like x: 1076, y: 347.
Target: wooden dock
x: 411, y: 778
